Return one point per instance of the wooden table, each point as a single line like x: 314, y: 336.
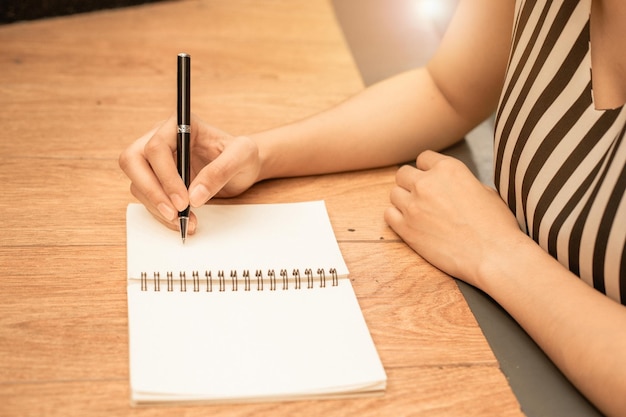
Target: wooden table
x: 75, y: 91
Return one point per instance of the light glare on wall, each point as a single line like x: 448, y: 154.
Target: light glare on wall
x: 431, y: 9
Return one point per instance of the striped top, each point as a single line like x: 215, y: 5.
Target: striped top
x: 560, y: 164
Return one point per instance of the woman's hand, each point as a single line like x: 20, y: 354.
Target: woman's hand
x: 447, y: 216
x: 221, y: 165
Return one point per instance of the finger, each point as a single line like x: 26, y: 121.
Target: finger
x: 159, y: 151
x: 407, y: 176
x: 145, y: 185
x: 427, y: 159
x: 167, y: 216
x: 172, y: 223
x: 393, y: 217
x: 399, y: 198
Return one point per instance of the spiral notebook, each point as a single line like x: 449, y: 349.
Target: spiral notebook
x: 256, y: 306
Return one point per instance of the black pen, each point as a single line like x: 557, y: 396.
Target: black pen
x: 184, y: 132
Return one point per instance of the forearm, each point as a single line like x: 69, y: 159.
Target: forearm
x: 395, y: 120
x: 580, y: 329
x: 388, y: 123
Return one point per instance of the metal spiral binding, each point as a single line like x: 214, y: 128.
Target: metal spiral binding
x: 205, y: 284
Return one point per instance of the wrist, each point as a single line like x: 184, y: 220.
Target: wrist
x: 515, y: 268
x: 264, y: 156
x: 514, y: 253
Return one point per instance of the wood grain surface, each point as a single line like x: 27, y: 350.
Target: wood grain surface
x: 75, y: 91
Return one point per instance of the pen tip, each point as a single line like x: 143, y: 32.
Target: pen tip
x: 183, y: 228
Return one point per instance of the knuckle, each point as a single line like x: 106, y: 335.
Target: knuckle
x: 171, y: 184
x: 450, y: 164
x: 152, y: 147
x: 153, y: 196
x: 424, y: 185
x: 413, y: 208
x: 220, y: 171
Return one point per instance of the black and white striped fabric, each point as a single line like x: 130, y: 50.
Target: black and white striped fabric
x: 560, y: 163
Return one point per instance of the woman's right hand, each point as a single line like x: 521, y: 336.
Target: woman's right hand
x: 221, y: 165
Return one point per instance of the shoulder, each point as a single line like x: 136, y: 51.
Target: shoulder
x: 470, y: 64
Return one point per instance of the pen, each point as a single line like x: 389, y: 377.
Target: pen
x: 184, y: 132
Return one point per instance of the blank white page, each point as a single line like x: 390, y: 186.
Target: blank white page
x: 235, y: 237
x: 238, y: 345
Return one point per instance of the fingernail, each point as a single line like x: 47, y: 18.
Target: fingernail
x: 199, y: 195
x: 166, y: 211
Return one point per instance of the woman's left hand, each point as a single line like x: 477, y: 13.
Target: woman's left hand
x: 446, y: 215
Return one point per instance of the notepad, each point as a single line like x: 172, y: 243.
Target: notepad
x: 255, y: 306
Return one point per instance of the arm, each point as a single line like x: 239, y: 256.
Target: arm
x: 388, y: 123
x: 465, y: 229
x: 580, y: 329
x: 393, y: 121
